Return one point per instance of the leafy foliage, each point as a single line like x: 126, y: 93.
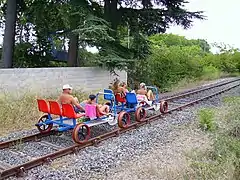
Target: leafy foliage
x: 174, y: 58
x: 96, y: 23
x: 127, y: 34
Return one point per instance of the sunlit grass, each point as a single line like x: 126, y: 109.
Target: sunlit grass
x: 22, y: 113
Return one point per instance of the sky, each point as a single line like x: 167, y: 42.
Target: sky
x: 222, y: 22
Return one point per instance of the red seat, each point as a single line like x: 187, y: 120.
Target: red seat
x: 68, y: 111
x: 55, y: 108
x: 119, y: 98
x: 43, y: 106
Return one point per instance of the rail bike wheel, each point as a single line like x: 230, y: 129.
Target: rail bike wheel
x: 81, y: 133
x: 140, y: 114
x: 123, y: 119
x: 44, y: 128
x: 163, y: 106
x: 142, y: 103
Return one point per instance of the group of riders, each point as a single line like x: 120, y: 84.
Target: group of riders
x: 117, y: 87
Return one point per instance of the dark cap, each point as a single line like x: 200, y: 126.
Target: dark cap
x: 92, y: 97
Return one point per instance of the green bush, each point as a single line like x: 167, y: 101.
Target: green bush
x: 210, y: 72
x: 174, y: 58
x: 226, y: 62
x: 206, y: 119
x: 167, y: 66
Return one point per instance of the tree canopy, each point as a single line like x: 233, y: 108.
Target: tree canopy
x: 101, y: 23
x: 128, y: 34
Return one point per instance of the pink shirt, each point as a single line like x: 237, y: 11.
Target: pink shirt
x: 90, y: 111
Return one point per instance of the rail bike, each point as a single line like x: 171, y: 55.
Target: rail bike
x: 125, y: 105
x: 131, y: 103
x: 156, y: 104
x: 68, y: 119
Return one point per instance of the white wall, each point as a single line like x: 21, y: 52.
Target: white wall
x: 50, y: 80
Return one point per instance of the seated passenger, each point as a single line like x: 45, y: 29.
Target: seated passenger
x: 119, y: 92
x: 142, y: 91
x: 103, y: 109
x: 117, y: 89
x: 67, y: 98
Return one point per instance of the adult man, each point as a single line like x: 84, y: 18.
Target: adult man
x: 67, y: 98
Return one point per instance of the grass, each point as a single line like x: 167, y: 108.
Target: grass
x: 187, y: 83
x: 206, y: 119
x: 222, y: 161
x: 22, y: 114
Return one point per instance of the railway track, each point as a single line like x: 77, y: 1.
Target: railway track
x: 54, y: 151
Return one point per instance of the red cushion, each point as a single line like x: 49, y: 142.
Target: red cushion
x: 55, y: 108
x: 43, y: 106
x: 68, y: 111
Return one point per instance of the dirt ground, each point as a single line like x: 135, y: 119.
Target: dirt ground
x: 168, y: 161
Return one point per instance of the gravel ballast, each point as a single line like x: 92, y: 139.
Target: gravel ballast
x: 111, y: 156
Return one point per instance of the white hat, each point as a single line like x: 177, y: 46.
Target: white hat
x: 67, y: 86
x: 142, y: 84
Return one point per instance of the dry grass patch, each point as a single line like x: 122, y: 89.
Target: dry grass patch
x: 22, y: 113
x: 223, y: 160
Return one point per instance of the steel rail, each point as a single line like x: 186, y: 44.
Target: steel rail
x: 197, y: 91
x: 21, y: 169
x: 33, y: 137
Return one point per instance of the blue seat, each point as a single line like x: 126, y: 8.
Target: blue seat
x: 131, y: 99
x: 108, y: 96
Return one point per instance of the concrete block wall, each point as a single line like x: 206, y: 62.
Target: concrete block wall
x: 42, y: 81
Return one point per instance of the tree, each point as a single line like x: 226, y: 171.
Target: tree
x: 147, y: 16
x: 204, y: 45
x: 143, y: 18
x: 97, y: 23
x: 175, y: 40
x: 9, y: 34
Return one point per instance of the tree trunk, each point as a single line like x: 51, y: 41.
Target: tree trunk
x: 111, y: 14
x: 73, y: 50
x: 9, y: 34
x: 73, y: 39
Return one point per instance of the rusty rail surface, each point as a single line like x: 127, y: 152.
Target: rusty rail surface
x: 199, y: 90
x: 21, y: 169
x: 33, y: 137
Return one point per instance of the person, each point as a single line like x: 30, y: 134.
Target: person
x: 119, y: 92
x: 143, y: 91
x: 116, y: 87
x: 103, y: 109
x: 124, y: 86
x: 67, y: 98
